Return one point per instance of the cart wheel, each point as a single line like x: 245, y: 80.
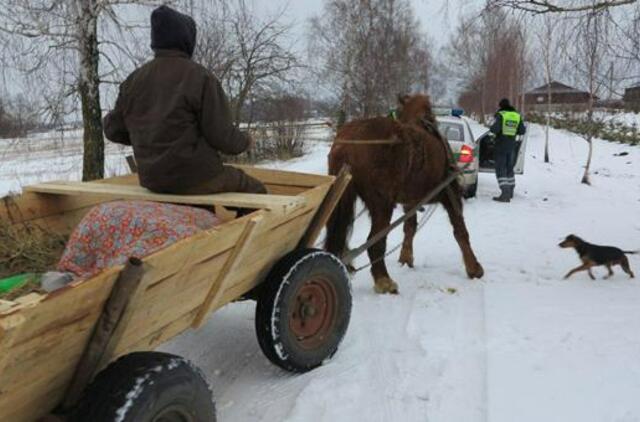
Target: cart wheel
x: 303, y: 310
x: 147, y: 387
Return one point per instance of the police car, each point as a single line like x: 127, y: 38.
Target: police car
x: 477, y: 152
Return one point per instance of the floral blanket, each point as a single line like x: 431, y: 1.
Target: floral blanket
x: 112, y: 232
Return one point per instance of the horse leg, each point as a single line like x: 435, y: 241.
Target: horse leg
x: 410, y: 228
x: 380, y: 217
x: 453, y: 204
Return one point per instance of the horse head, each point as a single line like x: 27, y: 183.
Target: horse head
x: 416, y: 109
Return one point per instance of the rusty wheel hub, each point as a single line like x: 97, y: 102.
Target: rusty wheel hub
x: 313, y: 314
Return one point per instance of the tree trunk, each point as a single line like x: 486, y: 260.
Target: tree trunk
x: 585, y: 176
x: 89, y: 88
x: 546, y: 132
x: 591, y: 133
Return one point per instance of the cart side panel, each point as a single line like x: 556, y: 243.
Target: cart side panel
x: 175, y: 281
x: 63, y: 211
x: 47, y: 346
x: 277, y: 239
x: 169, y: 307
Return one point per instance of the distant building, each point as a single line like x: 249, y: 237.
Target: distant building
x: 631, y: 97
x: 563, y: 97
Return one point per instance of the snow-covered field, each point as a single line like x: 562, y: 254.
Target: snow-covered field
x: 51, y: 156
x: 521, y: 345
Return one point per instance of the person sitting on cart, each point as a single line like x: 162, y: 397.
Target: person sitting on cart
x: 176, y: 116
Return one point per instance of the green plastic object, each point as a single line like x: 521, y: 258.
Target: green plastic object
x: 15, y: 282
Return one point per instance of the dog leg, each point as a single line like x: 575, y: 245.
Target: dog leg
x: 591, y: 274
x: 582, y: 267
x: 610, y: 272
x: 626, y: 268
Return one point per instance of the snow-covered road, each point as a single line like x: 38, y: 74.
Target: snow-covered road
x: 520, y: 345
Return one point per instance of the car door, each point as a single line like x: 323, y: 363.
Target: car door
x: 487, y: 145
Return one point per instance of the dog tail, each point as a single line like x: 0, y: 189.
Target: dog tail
x: 631, y: 252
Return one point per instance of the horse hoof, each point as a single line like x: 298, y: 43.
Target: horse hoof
x: 478, y: 272
x: 406, y: 258
x: 385, y: 285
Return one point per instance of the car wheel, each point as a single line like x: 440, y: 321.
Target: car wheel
x: 471, y: 190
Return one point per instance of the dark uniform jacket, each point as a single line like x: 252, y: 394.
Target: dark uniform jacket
x: 174, y: 112
x: 496, y: 127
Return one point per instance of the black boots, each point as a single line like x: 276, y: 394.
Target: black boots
x: 506, y: 195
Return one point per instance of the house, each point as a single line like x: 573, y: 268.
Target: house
x: 563, y: 97
x: 631, y: 97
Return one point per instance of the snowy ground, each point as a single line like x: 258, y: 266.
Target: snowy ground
x: 520, y: 345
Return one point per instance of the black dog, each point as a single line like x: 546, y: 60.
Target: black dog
x: 594, y: 255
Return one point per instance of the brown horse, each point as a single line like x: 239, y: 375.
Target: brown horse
x: 386, y: 174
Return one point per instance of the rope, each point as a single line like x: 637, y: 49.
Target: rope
x: 367, y: 142
x: 423, y: 221
x: 383, y: 233
x: 320, y: 242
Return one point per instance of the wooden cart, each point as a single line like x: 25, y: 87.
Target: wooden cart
x: 53, y: 345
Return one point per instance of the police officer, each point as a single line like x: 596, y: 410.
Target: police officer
x: 506, y: 126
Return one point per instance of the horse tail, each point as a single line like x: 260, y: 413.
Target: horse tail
x: 341, y: 220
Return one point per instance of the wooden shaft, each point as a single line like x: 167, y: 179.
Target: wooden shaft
x: 326, y: 208
x: 124, y: 287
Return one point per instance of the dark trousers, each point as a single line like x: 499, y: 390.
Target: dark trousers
x: 230, y: 180
x: 505, y: 158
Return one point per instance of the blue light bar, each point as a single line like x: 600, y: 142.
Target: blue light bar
x: 457, y: 112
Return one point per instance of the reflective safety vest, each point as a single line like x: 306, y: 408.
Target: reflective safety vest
x: 510, y: 122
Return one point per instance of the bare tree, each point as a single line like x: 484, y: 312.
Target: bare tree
x: 547, y: 6
x: 247, y: 53
x: 548, y: 46
x: 492, y: 50
x: 65, y: 36
x: 369, y: 51
x: 589, y: 57
x: 17, y: 117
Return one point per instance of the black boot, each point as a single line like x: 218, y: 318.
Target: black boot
x: 511, y: 189
x: 504, y: 196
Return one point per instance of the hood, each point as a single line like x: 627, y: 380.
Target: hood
x: 172, y: 30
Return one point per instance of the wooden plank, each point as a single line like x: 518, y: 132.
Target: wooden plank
x: 31, y: 206
x: 326, y: 208
x: 123, y: 320
x: 47, y: 347
x: 277, y: 203
x: 124, y: 287
x: 285, y: 178
x: 221, y: 281
x: 183, y: 255
x: 167, y: 332
x: 8, y: 329
x: 250, y: 275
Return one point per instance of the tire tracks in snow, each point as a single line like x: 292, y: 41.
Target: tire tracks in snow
x: 452, y: 332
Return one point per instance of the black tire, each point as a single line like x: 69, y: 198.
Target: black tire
x: 143, y: 386
x: 471, y: 190
x: 303, y: 310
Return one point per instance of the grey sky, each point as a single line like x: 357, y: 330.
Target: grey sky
x: 436, y: 16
